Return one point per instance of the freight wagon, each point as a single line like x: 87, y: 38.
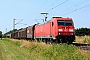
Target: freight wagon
x: 24, y: 33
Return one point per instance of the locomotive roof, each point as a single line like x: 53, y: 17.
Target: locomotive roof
x: 60, y: 18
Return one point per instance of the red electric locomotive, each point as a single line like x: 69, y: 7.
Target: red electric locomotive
x: 57, y: 29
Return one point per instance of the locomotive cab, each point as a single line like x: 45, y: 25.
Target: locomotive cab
x: 63, y: 29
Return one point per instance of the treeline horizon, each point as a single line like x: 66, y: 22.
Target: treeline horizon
x: 82, y: 31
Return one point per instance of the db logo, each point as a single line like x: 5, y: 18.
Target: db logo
x: 65, y: 30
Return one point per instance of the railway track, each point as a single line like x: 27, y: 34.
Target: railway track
x: 83, y: 47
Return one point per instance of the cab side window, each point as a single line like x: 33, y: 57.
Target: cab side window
x: 52, y: 23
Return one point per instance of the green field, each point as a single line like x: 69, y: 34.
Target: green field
x: 15, y: 50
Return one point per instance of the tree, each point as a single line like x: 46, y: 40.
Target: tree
x: 9, y: 32
x: 1, y: 34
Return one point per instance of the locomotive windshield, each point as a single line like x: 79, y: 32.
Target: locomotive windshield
x: 64, y: 22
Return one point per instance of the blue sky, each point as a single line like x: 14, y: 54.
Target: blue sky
x: 29, y: 10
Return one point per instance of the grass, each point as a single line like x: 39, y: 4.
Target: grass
x: 11, y: 49
x: 83, y: 39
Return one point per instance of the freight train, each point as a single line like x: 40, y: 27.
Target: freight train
x: 58, y: 29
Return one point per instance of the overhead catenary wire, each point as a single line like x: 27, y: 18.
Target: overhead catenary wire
x: 36, y: 21
x: 46, y: 7
x: 54, y: 7
x: 19, y: 21
x: 75, y: 10
x: 77, y: 4
x: 51, y: 4
x: 54, y: 2
x: 57, y: 5
x: 67, y: 9
x: 40, y: 7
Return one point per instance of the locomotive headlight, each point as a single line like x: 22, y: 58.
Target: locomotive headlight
x: 71, y: 30
x: 60, y: 30
x: 59, y: 33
